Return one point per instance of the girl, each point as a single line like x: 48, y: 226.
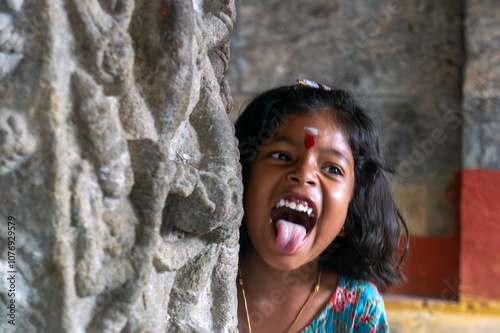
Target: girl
x: 321, y: 228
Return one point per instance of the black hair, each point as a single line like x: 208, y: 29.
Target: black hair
x: 372, y: 230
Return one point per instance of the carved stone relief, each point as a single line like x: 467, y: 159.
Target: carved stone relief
x: 16, y: 142
x: 11, y: 41
x: 121, y: 165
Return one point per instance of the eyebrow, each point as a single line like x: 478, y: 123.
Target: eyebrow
x: 338, y: 153
x: 285, y: 138
x: 328, y: 151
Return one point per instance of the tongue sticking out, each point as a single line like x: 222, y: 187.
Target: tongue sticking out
x: 290, y: 236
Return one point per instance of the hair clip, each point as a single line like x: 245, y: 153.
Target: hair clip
x: 313, y: 84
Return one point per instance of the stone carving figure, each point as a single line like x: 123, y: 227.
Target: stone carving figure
x: 150, y: 165
x: 16, y: 142
x: 11, y: 41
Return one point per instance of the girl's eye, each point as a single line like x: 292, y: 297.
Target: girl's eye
x: 334, y: 170
x: 280, y: 156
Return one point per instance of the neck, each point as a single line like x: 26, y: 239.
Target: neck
x: 283, y: 297
x: 261, y: 279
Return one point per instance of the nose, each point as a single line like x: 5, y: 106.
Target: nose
x: 303, y: 173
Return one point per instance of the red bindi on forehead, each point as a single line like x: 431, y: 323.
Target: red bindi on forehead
x: 309, y: 141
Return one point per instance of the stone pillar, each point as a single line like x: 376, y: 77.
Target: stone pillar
x: 480, y: 198
x: 119, y: 171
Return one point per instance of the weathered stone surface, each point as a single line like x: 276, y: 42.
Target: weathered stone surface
x: 481, y: 110
x: 402, y: 57
x: 119, y: 164
x: 482, y: 37
x: 481, y: 142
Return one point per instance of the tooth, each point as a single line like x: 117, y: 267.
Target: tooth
x: 287, y: 204
x: 292, y: 205
x: 282, y: 203
x: 300, y: 208
x: 309, y: 211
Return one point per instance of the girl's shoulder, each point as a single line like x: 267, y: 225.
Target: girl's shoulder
x: 356, y: 306
x: 363, y: 289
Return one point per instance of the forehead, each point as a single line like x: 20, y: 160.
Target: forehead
x: 316, y: 123
x: 323, y: 126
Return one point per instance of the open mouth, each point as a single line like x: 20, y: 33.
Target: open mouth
x: 293, y: 219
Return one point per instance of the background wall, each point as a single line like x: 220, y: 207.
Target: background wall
x: 480, y: 200
x: 430, y: 70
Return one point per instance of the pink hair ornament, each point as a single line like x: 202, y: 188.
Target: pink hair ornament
x: 313, y: 84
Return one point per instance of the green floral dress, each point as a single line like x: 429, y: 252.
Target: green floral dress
x: 356, y: 306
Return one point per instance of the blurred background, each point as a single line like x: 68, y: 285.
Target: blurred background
x: 430, y: 73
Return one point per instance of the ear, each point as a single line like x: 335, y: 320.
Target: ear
x: 341, y: 232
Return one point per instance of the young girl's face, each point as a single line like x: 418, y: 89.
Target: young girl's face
x: 298, y: 190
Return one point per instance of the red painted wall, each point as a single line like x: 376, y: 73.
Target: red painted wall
x: 468, y: 262
x: 480, y: 234
x: 432, y: 266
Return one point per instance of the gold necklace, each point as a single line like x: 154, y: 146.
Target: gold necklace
x: 313, y: 291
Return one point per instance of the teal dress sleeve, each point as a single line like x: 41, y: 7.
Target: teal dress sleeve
x: 356, y: 306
